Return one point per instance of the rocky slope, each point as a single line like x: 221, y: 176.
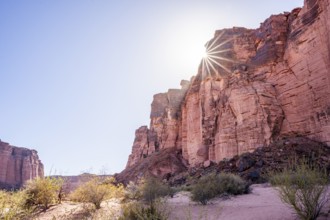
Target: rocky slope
x: 269, y: 83
x: 17, y: 165
x: 257, y: 165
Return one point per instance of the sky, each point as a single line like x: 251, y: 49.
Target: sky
x: 77, y: 77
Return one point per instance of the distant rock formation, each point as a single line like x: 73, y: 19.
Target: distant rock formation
x: 17, y: 165
x: 273, y: 82
x: 71, y: 183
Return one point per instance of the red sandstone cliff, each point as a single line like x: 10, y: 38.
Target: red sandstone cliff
x: 17, y: 165
x: 272, y: 82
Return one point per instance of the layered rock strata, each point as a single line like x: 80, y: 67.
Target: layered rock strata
x: 165, y: 126
x: 18, y: 165
x: 268, y: 83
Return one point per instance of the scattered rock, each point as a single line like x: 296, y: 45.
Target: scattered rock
x: 207, y: 163
x: 245, y: 162
x: 166, y: 164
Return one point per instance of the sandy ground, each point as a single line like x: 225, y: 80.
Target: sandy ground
x: 110, y: 210
x: 262, y: 203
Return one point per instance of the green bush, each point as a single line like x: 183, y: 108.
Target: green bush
x: 42, y: 192
x: 232, y: 184
x: 152, y: 188
x: 37, y: 193
x: 150, y: 207
x: 138, y: 211
x: 12, y: 205
x: 213, y: 185
x: 133, y: 191
x: 95, y: 191
x: 303, y: 188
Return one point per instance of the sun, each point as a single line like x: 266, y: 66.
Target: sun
x: 213, y: 58
x: 205, y: 54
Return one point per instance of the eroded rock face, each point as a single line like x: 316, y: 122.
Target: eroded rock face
x: 17, y: 165
x: 303, y: 80
x: 165, y: 164
x: 272, y: 82
x: 165, y: 125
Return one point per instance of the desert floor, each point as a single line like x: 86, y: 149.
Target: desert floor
x: 262, y: 203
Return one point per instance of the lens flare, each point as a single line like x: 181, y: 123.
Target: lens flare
x: 205, y: 55
x: 212, y: 60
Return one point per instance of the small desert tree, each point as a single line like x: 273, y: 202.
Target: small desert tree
x: 302, y: 187
x: 97, y: 190
x: 42, y: 192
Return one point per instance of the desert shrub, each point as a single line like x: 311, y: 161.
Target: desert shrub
x: 133, y: 191
x: 42, y: 192
x: 4, y: 197
x: 302, y: 187
x: 152, y: 188
x: 114, y: 190
x: 187, y: 188
x: 37, y: 193
x: 95, y: 191
x: 12, y: 205
x: 213, y: 185
x: 139, y: 211
x: 147, y: 189
x: 205, y: 189
x: 148, y: 205
x: 232, y: 184
x: 174, y: 190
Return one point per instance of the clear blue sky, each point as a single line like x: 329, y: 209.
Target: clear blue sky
x: 77, y: 77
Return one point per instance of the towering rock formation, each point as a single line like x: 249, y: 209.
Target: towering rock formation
x: 270, y: 82
x: 17, y: 165
x: 165, y: 126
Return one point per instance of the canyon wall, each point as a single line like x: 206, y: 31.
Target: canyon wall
x: 165, y: 125
x: 18, y: 165
x: 263, y: 84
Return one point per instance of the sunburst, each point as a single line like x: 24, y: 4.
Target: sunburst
x: 213, y: 59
